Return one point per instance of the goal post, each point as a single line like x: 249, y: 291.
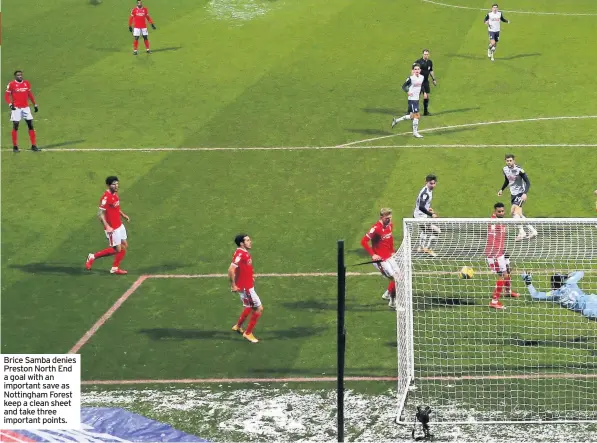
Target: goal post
x: 533, y: 361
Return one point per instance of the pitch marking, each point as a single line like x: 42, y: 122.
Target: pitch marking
x: 565, y: 14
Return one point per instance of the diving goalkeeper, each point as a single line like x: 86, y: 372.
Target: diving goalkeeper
x: 566, y: 292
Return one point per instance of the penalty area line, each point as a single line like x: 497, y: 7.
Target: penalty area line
x: 563, y: 14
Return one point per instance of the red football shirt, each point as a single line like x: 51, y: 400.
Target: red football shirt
x: 111, y: 204
x: 19, y: 93
x: 244, y: 278
x: 138, y: 17
x: 496, y: 240
x: 382, y: 239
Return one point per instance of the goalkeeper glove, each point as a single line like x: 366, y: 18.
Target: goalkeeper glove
x: 36, y: 108
x: 12, y: 107
x: 153, y: 26
x: 130, y: 29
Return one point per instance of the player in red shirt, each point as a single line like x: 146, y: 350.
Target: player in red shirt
x: 109, y: 214
x: 242, y: 281
x: 138, y: 26
x: 495, y: 252
x: 17, y: 95
x: 382, y: 241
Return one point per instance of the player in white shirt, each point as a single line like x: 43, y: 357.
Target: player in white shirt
x: 517, y: 180
x: 412, y: 86
x: 493, y: 20
x: 423, y: 209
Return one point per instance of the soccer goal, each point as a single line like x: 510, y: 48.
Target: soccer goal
x: 532, y: 361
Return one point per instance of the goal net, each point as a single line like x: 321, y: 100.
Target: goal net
x: 533, y: 361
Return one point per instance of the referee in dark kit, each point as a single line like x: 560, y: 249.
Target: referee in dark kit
x: 427, y: 70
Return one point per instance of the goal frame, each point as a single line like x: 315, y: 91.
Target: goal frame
x: 405, y: 314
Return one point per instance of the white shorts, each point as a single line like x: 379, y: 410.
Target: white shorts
x: 138, y: 31
x: 116, y: 237
x: 498, y: 264
x: 249, y: 298
x: 388, y: 268
x: 19, y: 113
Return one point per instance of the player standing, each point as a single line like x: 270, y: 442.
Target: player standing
x: 519, y: 183
x: 242, y: 281
x: 17, y: 95
x: 427, y: 71
x: 493, y: 20
x: 139, y: 17
x: 423, y: 209
x: 109, y: 214
x: 412, y: 86
x: 495, y: 252
x: 381, y: 249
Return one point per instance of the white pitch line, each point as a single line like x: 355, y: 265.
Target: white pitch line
x: 470, y: 125
x: 564, y: 14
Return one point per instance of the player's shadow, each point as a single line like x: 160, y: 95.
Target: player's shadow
x: 453, y: 111
x: 368, y: 131
x: 176, y: 334
x: 385, y: 111
x: 170, y: 48
x: 50, y: 268
x: 318, y: 306
x: 62, y: 144
x: 517, y: 56
x: 422, y: 302
x: 482, y: 57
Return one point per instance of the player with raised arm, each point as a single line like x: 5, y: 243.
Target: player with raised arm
x: 493, y: 20
x: 495, y: 253
x: 565, y: 291
x: 110, y: 215
x: 242, y: 281
x: 516, y: 178
x: 138, y: 26
x: 17, y: 95
x: 427, y: 71
x: 423, y: 209
x: 412, y: 86
x: 381, y: 249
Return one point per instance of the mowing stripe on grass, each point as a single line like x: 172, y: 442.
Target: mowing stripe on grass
x: 104, y: 318
x: 565, y: 14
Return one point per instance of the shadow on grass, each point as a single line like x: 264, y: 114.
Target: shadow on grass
x: 318, y: 305
x: 453, y: 111
x: 201, y: 334
x: 79, y: 269
x: 61, y: 144
x: 483, y: 57
x: 384, y: 111
x: 366, y: 131
x: 170, y: 48
x: 423, y: 302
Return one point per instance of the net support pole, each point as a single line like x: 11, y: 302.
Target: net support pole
x: 341, y: 345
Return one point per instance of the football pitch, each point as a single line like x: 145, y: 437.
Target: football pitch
x: 272, y: 117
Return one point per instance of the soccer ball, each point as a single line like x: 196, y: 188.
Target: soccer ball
x: 466, y: 272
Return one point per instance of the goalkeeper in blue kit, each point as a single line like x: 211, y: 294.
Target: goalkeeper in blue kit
x: 566, y: 292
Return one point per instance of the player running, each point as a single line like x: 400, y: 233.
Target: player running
x: 139, y: 18
x: 412, y: 86
x: 242, y: 281
x: 423, y: 209
x: 519, y: 183
x: 109, y: 214
x: 493, y: 20
x: 381, y: 249
x: 17, y: 95
x: 495, y: 253
x: 565, y: 291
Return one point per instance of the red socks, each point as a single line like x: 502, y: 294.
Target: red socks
x: 146, y: 44
x: 243, y: 316
x: 135, y: 44
x: 15, y: 137
x: 32, y: 136
x: 119, y: 256
x: 499, y: 285
x: 507, y: 284
x: 105, y: 252
x: 252, y: 322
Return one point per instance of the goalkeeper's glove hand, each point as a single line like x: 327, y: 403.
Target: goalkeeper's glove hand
x: 36, y: 108
x: 130, y: 29
x: 153, y: 26
x: 12, y: 107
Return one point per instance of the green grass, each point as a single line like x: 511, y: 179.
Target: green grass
x: 265, y: 73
